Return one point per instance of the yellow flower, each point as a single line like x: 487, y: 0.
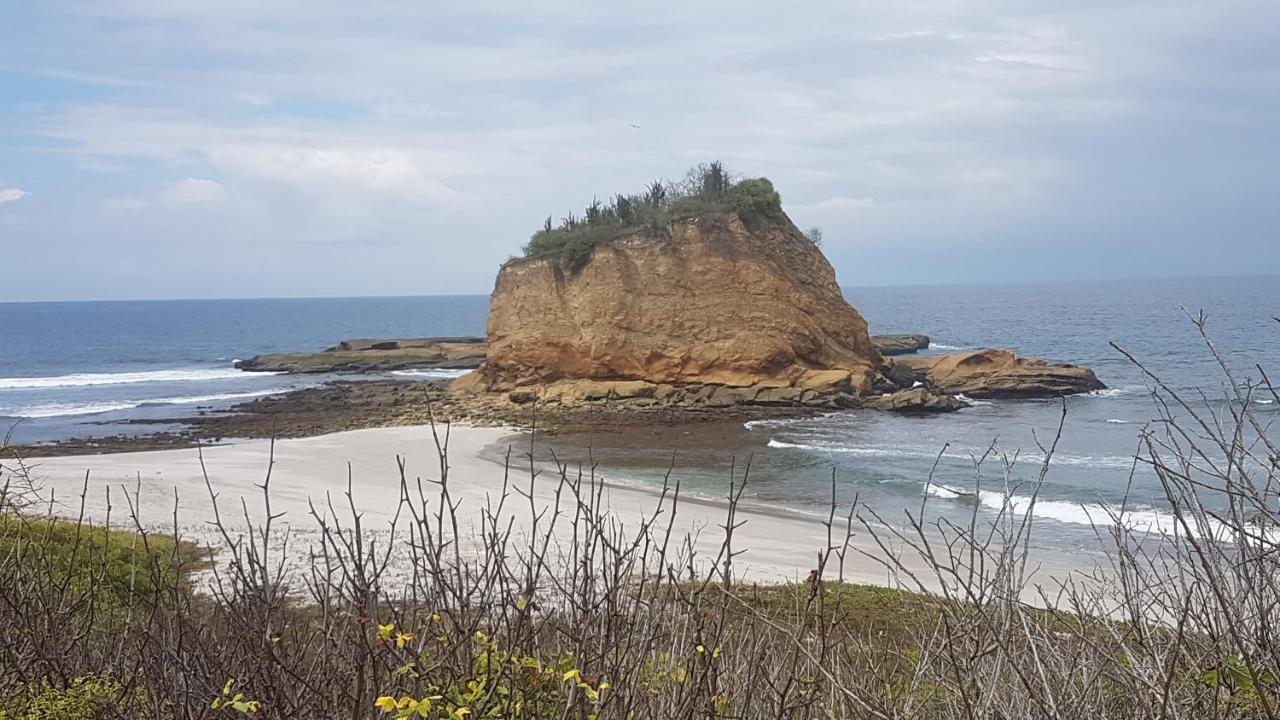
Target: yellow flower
x: 701, y: 649
x: 522, y: 604
x: 403, y: 639
x: 384, y: 631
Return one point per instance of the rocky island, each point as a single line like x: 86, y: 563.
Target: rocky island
x: 711, y: 298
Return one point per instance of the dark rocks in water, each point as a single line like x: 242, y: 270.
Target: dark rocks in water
x: 900, y: 344
x: 362, y: 344
x: 915, y: 400
x: 373, y: 355
x: 1000, y: 374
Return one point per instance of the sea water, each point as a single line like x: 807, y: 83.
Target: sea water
x: 79, y: 369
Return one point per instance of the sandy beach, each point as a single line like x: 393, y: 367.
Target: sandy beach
x: 169, y: 485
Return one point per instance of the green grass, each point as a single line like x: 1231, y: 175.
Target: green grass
x: 116, y: 565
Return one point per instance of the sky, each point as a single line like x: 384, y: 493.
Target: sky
x: 250, y: 148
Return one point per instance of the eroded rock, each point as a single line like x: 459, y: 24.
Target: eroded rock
x: 712, y: 300
x: 999, y: 373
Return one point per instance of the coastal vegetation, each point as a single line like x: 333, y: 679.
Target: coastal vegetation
x: 706, y: 188
x: 582, y: 617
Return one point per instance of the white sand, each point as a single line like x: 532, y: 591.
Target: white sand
x: 778, y: 546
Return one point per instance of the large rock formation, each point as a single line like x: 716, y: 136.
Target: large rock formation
x: 998, y: 373
x: 712, y: 300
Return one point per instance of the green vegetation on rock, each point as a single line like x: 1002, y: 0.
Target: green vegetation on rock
x: 707, y: 188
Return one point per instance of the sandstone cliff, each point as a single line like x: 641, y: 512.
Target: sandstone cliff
x: 712, y: 300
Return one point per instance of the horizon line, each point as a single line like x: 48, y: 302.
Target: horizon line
x: 976, y: 283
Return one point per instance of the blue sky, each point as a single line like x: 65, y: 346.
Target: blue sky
x: 245, y: 149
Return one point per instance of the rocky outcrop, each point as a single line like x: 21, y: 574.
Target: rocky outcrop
x: 900, y: 344
x: 915, y: 400
x: 370, y: 355
x: 717, y: 301
x: 998, y: 373
x: 717, y: 310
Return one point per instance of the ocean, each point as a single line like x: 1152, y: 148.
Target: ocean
x: 77, y: 369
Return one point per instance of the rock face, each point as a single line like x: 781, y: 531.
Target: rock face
x: 368, y: 355
x: 709, y: 301
x: 900, y: 344
x: 998, y: 373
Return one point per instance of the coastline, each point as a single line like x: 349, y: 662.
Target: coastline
x: 168, y: 490
x: 356, y: 404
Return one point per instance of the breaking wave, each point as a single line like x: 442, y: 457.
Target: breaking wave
x: 94, y: 408
x: 1096, y: 461
x: 122, y: 378
x: 1141, y: 520
x: 433, y: 373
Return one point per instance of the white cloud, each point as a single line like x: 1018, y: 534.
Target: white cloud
x: 8, y: 195
x: 187, y: 193
x: 922, y: 122
x: 194, y: 191
x: 385, y: 172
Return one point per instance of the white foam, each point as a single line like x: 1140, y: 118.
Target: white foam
x: 940, y: 346
x: 1115, y: 391
x: 95, y: 408
x: 123, y: 378
x: 1118, y: 421
x: 1098, y: 461
x: 974, y: 403
x: 1140, y: 520
x: 435, y: 373
x: 63, y: 409
x: 1264, y: 402
x: 896, y: 452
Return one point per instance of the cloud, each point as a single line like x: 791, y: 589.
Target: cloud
x: 187, y: 193
x: 8, y: 195
x: 194, y: 191
x: 923, y: 125
x: 385, y: 172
